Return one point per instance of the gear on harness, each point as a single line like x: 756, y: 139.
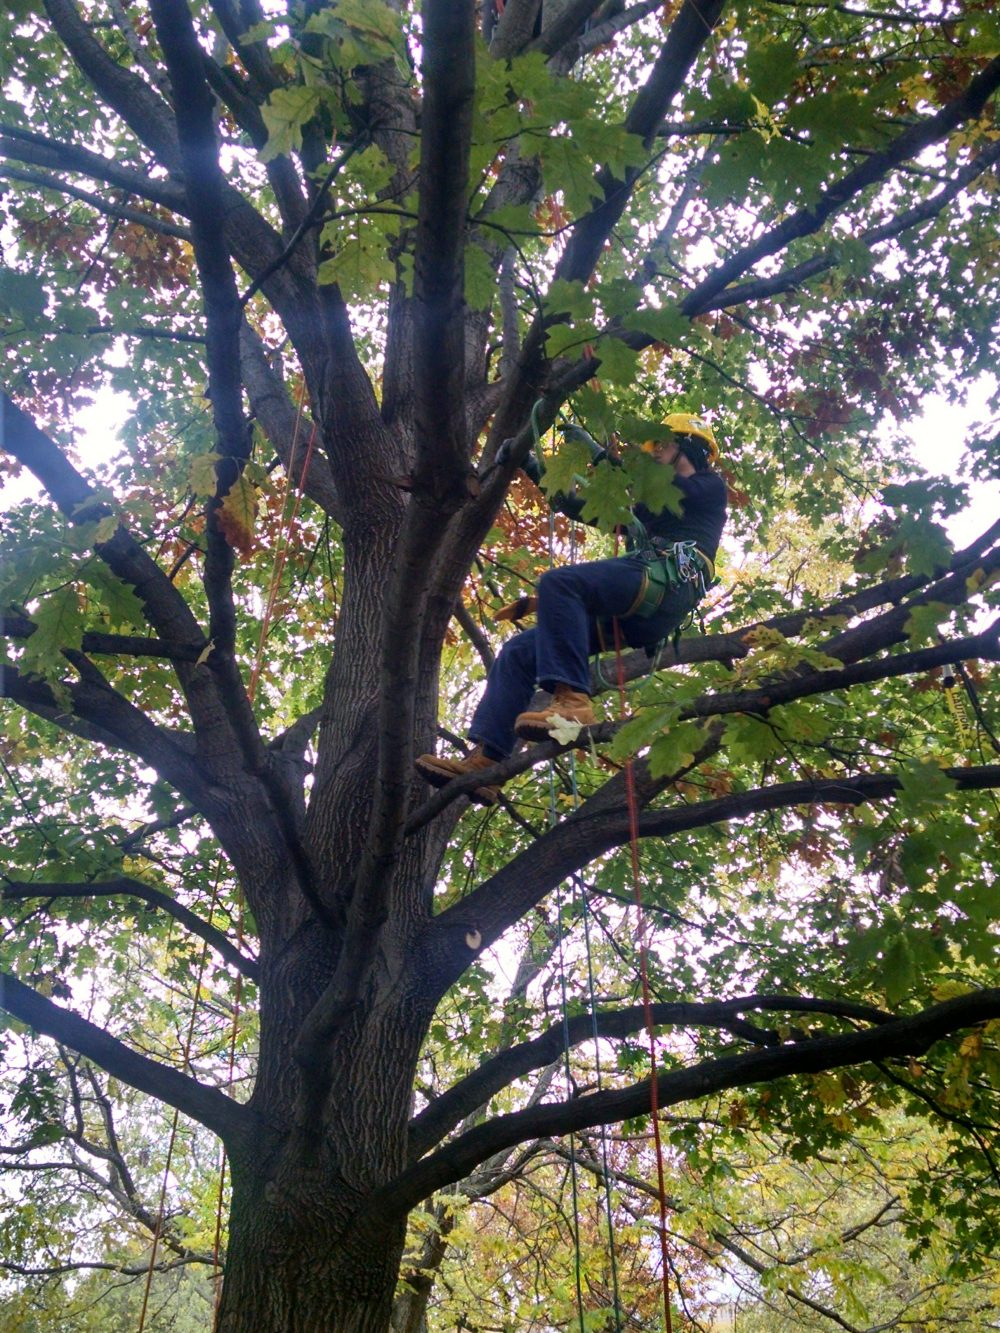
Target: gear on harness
x: 676, y: 566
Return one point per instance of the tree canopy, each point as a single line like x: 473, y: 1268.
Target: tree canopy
x: 332, y: 257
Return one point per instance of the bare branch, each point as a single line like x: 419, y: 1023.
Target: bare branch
x: 895, y: 1039
x: 12, y: 890
x: 210, y: 1108
x: 966, y: 106
x: 445, y: 1112
x: 109, y: 209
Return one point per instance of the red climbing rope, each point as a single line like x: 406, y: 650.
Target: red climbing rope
x: 647, y: 1003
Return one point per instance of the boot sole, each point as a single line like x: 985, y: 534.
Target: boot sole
x: 437, y: 778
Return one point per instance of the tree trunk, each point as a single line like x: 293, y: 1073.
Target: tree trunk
x: 298, y: 1260
x: 295, y: 1266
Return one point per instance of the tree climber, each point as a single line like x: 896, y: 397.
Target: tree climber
x: 650, y: 591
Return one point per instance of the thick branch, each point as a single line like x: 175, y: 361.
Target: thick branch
x: 12, y: 890
x: 102, y: 644
x: 789, y: 279
x: 441, y: 484
x: 104, y: 206
x: 22, y: 145
x: 689, y: 32
x: 253, y: 55
x: 723, y: 647
x: 206, y: 205
x: 213, y: 1109
x: 442, y: 455
x: 869, y: 637
x: 142, y: 109
x: 967, y: 106
x: 164, y: 606
x: 449, y: 1110
x: 600, y: 825
x: 895, y: 1039
x: 105, y: 717
x: 570, y: 22
x: 288, y: 430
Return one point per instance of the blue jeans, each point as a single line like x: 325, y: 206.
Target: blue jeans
x: 571, y: 601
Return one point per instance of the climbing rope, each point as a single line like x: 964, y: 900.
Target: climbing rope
x: 172, y: 1140
x: 574, y: 1167
x: 641, y: 937
x: 642, y: 931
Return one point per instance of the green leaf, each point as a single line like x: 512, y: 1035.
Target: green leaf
x: 748, y: 740
x: 373, y: 17
x: 641, y: 730
x: 117, y: 598
x: 202, y: 477
x: 285, y: 113
x: 569, y: 170
x: 667, y: 326
x: 564, y: 468
x: 923, y: 622
x: 23, y: 295
x: 480, y: 279
x: 676, y: 750
x: 59, y: 625
x: 608, y: 498
x: 924, y: 785
x: 898, y: 968
x: 565, y: 339
x: 653, y: 484
x: 359, y: 267
x: 619, y: 363
x: 569, y: 300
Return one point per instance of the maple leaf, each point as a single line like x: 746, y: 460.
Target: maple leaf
x: 236, y: 515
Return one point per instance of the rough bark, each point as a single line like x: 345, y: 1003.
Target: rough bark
x: 352, y: 962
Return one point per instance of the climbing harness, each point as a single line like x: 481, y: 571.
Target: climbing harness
x: 666, y: 568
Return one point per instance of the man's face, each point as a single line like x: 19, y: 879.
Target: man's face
x: 666, y: 451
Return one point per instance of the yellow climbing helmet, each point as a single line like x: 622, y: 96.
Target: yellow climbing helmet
x: 685, y: 423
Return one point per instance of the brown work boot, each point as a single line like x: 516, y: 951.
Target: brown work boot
x: 567, y: 703
x: 439, y: 772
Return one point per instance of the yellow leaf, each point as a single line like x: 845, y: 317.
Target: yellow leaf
x: 237, y: 513
x: 201, y: 474
x: 972, y: 1046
